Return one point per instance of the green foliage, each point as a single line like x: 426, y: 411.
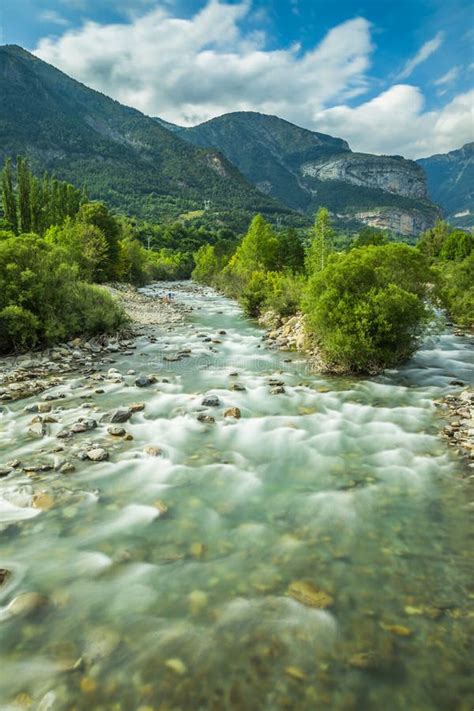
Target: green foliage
x: 366, y: 308
x: 431, y: 242
x: 34, y: 204
x: 290, y: 251
x: 321, y: 244
x: 370, y: 236
x: 42, y: 299
x: 8, y: 197
x: 95, y: 213
x: 457, y: 246
x: 85, y: 245
x: 206, y: 264
x: 258, y: 250
x: 284, y: 292
x: 455, y: 289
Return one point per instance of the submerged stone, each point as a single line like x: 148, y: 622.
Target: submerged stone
x: 308, y: 594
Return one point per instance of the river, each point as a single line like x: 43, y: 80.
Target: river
x: 311, y: 554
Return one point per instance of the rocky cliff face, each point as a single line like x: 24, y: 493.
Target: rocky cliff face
x: 306, y: 170
x: 391, y: 175
x: 404, y: 222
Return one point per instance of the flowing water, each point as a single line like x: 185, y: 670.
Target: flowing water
x: 342, y: 483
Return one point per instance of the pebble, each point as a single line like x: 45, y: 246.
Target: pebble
x: 122, y: 414
x: 176, y: 665
x: 153, y: 451
x: 97, y: 454
x: 144, y: 381
x: 233, y: 412
x: 211, y: 401
x: 116, y: 431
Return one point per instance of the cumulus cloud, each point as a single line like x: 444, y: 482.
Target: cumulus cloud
x: 396, y: 122
x: 188, y: 70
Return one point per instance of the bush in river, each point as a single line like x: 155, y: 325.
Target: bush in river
x: 367, y: 307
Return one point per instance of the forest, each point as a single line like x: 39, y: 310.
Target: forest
x: 367, y: 298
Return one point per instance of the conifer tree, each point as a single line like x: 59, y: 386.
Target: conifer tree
x: 24, y: 194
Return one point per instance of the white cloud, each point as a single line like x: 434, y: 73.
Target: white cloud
x: 396, y: 122
x: 54, y: 18
x: 448, y: 77
x: 422, y: 55
x: 188, y: 70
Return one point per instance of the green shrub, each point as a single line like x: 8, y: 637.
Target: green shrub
x: 42, y: 299
x: 366, y: 308
x: 455, y: 289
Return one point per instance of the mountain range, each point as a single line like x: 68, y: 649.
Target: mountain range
x: 239, y: 163
x: 451, y: 183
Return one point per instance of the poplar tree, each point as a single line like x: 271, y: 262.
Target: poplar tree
x: 322, y: 242
x: 24, y: 194
x: 8, y: 196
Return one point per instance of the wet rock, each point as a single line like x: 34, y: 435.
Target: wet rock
x: 211, y: 401
x: 233, y: 412
x: 153, y: 451
x: 137, y: 406
x: 97, y: 454
x: 122, y: 414
x: 278, y: 390
x: 295, y: 673
x: 67, y: 468
x: 206, y: 419
x: 238, y: 387
x: 42, y: 500
x: 144, y: 381
x: 198, y: 600
x: 101, y: 643
x: 5, y: 575
x: 161, y: 506
x: 83, y: 425
x: 308, y: 594
x: 177, y: 666
x: 116, y: 431
x: 365, y: 661
x: 5, y: 471
x: 38, y: 429
x: 24, y: 604
x: 399, y: 630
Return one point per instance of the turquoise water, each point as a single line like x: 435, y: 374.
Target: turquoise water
x: 338, y: 482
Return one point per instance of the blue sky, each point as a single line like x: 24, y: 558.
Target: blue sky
x: 392, y: 77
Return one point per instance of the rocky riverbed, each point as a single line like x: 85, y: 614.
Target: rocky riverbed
x: 190, y: 518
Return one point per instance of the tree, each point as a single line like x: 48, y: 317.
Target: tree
x: 457, y: 246
x: 258, y: 250
x: 95, y: 213
x: 8, y: 197
x: 367, y: 307
x: 24, y: 194
x: 290, y: 252
x: 431, y: 242
x: 370, y: 236
x: 321, y: 244
x: 206, y: 264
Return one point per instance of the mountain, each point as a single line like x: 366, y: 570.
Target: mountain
x: 304, y: 170
x: 451, y: 183
x: 126, y: 158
